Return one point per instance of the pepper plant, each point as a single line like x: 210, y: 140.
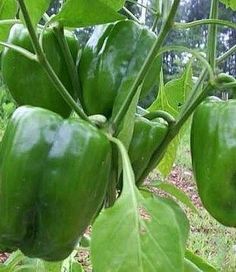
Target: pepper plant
x: 58, y: 176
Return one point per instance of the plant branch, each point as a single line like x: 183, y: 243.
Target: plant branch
x: 46, y: 65
x: 129, y: 13
x: 224, y: 56
x: 152, y: 54
x: 212, y: 35
x: 230, y: 85
x: 203, y: 22
x: 154, y: 26
x: 20, y: 50
x: 9, y: 22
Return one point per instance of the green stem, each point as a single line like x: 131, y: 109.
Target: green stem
x: 172, y: 133
x: 43, y: 29
x: 160, y: 114
x: 204, y: 22
x: 46, y: 65
x: 156, y: 47
x: 212, y: 35
x: 46, y: 18
x: 227, y: 85
x: 224, y: 56
x: 9, y: 22
x: 59, y: 31
x: 154, y: 26
x: 20, y: 50
x: 129, y: 13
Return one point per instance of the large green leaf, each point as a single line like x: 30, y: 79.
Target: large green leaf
x: 80, y: 13
x: 229, y: 3
x: 138, y: 234
x: 114, y: 4
x: 36, y: 9
x: 170, y: 98
x: 8, y: 9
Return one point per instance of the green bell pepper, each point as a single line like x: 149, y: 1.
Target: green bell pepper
x: 213, y: 149
x: 27, y: 81
x: 53, y: 179
x: 110, y: 63
x: 147, y: 136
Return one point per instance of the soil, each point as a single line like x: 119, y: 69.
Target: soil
x: 183, y: 179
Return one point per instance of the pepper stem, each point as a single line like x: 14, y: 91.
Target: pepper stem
x: 59, y: 32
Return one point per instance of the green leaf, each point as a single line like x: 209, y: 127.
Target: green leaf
x: 177, y: 193
x: 137, y: 234
x: 179, y: 213
x: 76, y: 267
x: 170, y: 98
x: 74, y: 13
x: 229, y: 3
x: 168, y: 160
x: 203, y: 265
x: 114, y: 4
x: 52, y: 267
x: 36, y: 9
x: 2, y: 268
x: 190, y: 267
x: 126, y: 132
x: 180, y: 217
x: 8, y: 9
x: 173, y: 95
x: 127, y: 127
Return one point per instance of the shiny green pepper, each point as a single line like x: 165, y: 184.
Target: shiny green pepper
x: 53, y: 179
x: 28, y: 83
x: 110, y: 63
x: 147, y: 136
x: 213, y: 149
